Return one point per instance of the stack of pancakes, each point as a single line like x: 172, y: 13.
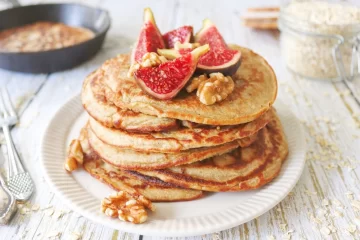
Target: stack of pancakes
x: 175, y: 149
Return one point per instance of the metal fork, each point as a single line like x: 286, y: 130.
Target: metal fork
x: 19, y: 181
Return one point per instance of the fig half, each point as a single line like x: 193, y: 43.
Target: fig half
x: 182, y: 34
x: 220, y: 58
x: 166, y: 80
x: 150, y: 38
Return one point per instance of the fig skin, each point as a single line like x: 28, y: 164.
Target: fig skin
x: 228, y: 71
x: 150, y: 38
x: 170, y: 37
x: 166, y: 78
x: 228, y: 68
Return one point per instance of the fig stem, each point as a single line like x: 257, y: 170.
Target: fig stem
x: 149, y: 16
x: 205, y: 25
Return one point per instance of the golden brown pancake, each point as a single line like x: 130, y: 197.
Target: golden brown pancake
x: 135, y: 160
x: 42, y: 36
x: 109, y: 115
x: 180, y: 139
x: 254, y: 93
x: 243, y: 169
x: 151, y: 188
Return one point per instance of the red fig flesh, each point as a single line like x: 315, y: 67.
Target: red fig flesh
x: 220, y: 58
x: 150, y: 38
x: 166, y: 80
x: 182, y: 34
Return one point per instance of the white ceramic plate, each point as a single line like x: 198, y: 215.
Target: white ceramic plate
x: 213, y: 213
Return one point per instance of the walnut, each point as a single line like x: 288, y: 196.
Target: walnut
x: 150, y: 59
x: 195, y: 82
x: 124, y: 206
x: 75, y: 156
x: 179, y: 45
x: 215, y: 89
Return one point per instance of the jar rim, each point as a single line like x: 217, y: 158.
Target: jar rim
x: 285, y: 18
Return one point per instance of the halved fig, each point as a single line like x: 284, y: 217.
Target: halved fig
x: 220, y: 58
x: 166, y: 80
x: 150, y: 38
x: 182, y: 34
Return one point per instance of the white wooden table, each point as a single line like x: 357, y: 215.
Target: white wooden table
x: 325, y: 204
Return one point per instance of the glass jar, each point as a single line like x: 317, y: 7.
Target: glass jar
x: 315, y: 49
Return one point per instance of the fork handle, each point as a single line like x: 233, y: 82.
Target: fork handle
x: 14, y: 163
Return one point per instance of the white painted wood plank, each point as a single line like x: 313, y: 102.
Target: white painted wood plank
x: 310, y: 101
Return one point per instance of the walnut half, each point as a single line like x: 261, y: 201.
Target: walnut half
x: 123, y: 206
x: 150, y: 59
x: 75, y: 156
x: 215, y: 89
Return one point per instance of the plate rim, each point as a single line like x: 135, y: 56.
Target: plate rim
x: 231, y: 217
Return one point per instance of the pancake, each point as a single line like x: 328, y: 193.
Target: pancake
x: 178, y: 140
x: 248, y: 168
x: 151, y: 188
x: 42, y: 36
x: 254, y: 93
x: 96, y: 105
x: 134, y: 160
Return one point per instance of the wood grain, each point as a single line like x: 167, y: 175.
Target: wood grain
x: 329, y: 112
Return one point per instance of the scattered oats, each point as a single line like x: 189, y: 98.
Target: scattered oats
x: 332, y: 228
x: 291, y: 193
x: 322, y: 213
x: 283, y: 227
x: 20, y: 205
x: 278, y: 209
x: 325, y: 202
x: 330, y: 166
x: 270, y: 237
x: 35, y: 207
x: 314, y: 219
x: 49, y: 212
x: 24, y: 211
x: 338, y: 213
x: 325, y: 230
x: 46, y: 207
x: 309, y: 193
x: 356, y: 204
x: 58, y: 214
x: 357, y: 221
x: 351, y: 228
x: 76, y: 236
x: 346, y: 93
x: 351, y: 168
x: 53, y: 235
x: 286, y: 236
x: 337, y: 203
x: 349, y: 195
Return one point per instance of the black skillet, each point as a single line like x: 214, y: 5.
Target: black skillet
x: 72, y: 14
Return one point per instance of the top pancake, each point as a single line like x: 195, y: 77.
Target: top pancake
x: 254, y: 93
x: 97, y: 106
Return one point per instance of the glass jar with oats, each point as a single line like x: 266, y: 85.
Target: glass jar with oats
x: 321, y: 39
